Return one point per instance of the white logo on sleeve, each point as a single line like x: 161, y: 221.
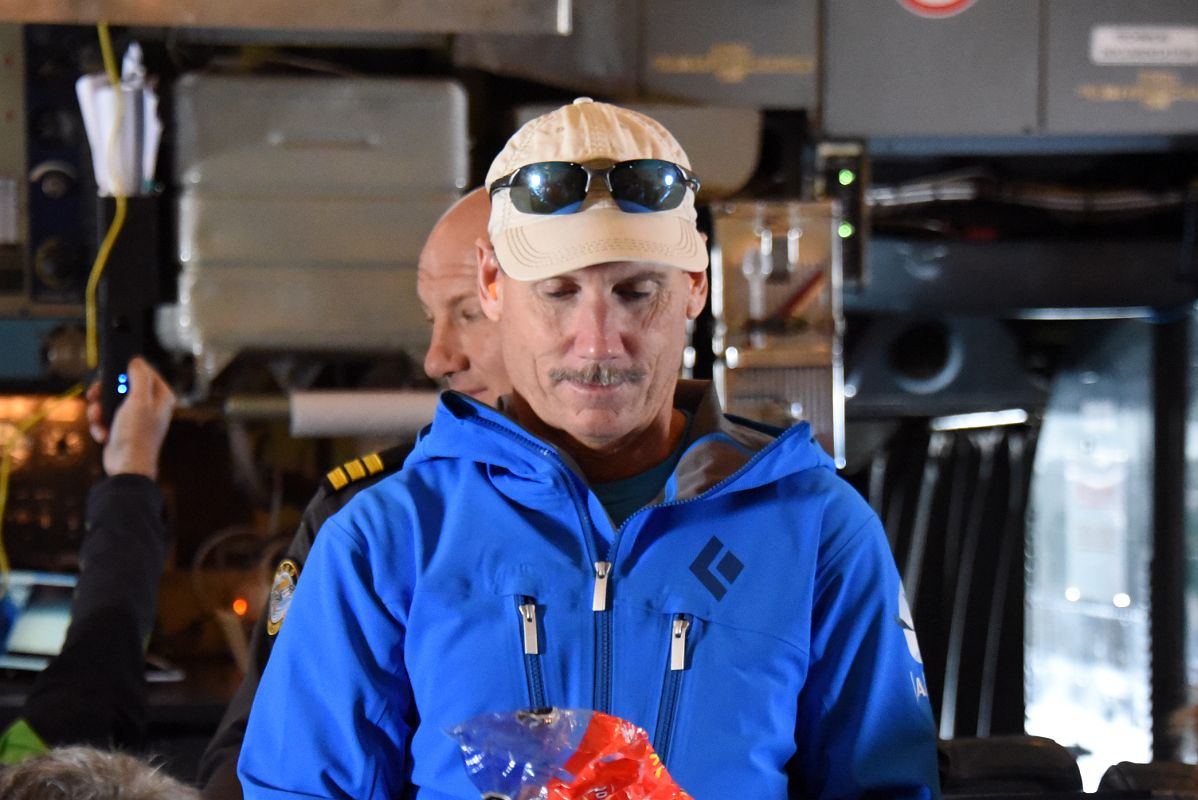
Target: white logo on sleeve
x: 907, y: 623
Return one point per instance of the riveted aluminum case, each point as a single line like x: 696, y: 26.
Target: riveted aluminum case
x: 303, y: 207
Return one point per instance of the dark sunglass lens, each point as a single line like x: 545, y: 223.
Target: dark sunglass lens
x: 554, y: 187
x: 647, y: 185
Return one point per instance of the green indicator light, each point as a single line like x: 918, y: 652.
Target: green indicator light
x: 846, y: 230
x: 846, y: 177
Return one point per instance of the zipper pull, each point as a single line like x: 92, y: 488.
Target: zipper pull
x: 678, y: 643
x: 599, y: 600
x: 528, y: 613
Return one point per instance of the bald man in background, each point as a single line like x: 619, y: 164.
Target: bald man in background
x: 464, y: 353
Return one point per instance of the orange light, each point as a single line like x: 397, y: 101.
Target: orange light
x: 240, y: 606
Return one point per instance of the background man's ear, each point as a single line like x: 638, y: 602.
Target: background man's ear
x: 490, y: 285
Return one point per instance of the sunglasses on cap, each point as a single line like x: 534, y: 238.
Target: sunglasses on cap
x: 640, y: 186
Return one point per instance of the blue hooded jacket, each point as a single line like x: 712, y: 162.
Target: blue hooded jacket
x: 751, y: 620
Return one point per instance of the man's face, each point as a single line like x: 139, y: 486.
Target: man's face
x: 595, y: 353
x: 464, y: 351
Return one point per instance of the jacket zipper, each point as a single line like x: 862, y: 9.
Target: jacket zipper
x: 599, y: 598
x: 663, y: 735
x: 602, y: 697
x: 527, y: 609
x: 602, y: 636
x: 603, y: 580
x: 603, y: 633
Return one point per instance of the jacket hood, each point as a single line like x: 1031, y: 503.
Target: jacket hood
x: 718, y: 446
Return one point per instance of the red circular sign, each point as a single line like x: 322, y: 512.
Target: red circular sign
x: 936, y: 8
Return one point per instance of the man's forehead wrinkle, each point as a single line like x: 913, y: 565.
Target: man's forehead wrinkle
x: 464, y: 267
x: 450, y: 302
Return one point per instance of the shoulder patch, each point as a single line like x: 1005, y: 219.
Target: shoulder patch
x: 282, y: 589
x: 354, y: 470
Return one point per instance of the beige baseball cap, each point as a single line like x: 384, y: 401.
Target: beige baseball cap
x: 533, y: 247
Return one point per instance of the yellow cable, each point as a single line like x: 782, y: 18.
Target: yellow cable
x: 118, y: 218
x: 19, y: 430
x: 93, y: 283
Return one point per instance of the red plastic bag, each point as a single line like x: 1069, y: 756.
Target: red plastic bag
x: 562, y: 754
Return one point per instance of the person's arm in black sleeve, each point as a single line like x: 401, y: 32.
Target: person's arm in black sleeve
x: 93, y: 692
x: 218, y: 767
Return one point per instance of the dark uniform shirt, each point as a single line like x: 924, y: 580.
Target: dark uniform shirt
x: 218, y: 766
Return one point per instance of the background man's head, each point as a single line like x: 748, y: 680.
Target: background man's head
x: 592, y: 288
x: 84, y: 773
x: 464, y: 351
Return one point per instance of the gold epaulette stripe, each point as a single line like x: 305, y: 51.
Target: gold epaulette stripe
x: 338, y: 478
x: 355, y: 470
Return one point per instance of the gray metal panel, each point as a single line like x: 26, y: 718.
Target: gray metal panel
x: 431, y: 16
x: 981, y: 369
x: 760, y: 53
x: 306, y: 231
x: 320, y: 136
x: 889, y: 72
x: 599, y: 56
x: 1010, y: 278
x: 351, y: 307
x: 1100, y: 81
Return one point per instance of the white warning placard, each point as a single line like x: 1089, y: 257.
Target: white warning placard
x: 1144, y: 45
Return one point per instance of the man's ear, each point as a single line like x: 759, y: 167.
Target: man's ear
x: 698, y: 290
x: 697, y: 297
x: 490, y: 290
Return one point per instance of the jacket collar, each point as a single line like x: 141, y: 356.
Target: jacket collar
x: 717, y: 446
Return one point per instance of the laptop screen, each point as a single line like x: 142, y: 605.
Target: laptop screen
x: 41, y: 604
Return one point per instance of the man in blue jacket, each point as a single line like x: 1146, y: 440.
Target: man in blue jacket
x: 606, y: 539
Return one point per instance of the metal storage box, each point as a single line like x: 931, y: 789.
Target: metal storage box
x: 1122, y: 66
x: 890, y: 71
x: 304, y: 203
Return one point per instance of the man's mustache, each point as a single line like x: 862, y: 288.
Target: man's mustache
x: 597, y: 375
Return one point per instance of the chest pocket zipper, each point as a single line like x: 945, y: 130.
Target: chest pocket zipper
x: 677, y: 665
x: 526, y: 607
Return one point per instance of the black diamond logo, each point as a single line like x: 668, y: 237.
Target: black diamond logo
x: 729, y: 567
